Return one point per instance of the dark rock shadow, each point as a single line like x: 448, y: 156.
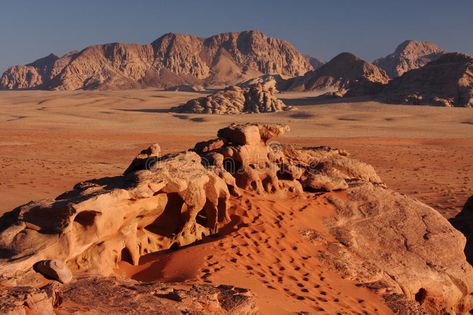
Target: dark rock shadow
x: 193, y: 119
x: 464, y: 223
x: 145, y: 110
x: 302, y: 115
x: 323, y: 100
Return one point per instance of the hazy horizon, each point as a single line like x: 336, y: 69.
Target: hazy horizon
x: 321, y: 29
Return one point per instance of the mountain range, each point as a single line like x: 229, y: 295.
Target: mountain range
x: 171, y: 60
x: 415, y: 73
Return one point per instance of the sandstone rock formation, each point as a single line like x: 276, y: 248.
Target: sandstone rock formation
x: 409, y: 55
x: 401, y: 246
x: 171, y: 60
x: 388, y: 242
x: 447, y: 81
x: 254, y: 98
x: 164, y: 201
x: 344, y: 74
x: 95, y: 295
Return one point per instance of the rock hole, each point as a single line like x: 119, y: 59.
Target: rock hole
x: 126, y: 256
x: 202, y: 217
x: 174, y: 246
x: 86, y: 218
x: 171, y: 221
x: 421, y: 295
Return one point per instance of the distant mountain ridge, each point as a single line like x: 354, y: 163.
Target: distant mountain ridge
x: 171, y: 60
x: 409, y: 55
x: 446, y: 81
x: 345, y: 73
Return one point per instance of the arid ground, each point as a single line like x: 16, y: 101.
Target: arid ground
x: 51, y: 140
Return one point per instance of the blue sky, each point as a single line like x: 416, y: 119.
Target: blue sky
x: 31, y: 29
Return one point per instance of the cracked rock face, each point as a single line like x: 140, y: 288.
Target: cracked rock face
x: 254, y: 98
x: 404, y: 246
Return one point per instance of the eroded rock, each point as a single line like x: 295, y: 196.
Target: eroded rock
x: 256, y: 98
x: 411, y: 248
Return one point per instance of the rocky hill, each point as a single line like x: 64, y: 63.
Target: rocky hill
x: 447, y: 81
x: 171, y: 60
x: 343, y: 73
x: 409, y: 55
x: 254, y: 98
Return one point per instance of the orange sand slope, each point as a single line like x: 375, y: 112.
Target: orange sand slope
x: 272, y: 248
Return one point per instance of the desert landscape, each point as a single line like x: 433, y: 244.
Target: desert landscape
x: 230, y: 172
x: 52, y: 140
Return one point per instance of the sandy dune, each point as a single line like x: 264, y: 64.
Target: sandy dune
x: 52, y: 140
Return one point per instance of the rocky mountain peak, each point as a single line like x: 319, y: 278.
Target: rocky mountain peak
x: 409, y: 55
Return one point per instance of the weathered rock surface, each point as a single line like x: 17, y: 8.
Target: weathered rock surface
x: 447, y: 81
x: 25, y: 300
x: 171, y: 60
x: 409, y: 55
x: 344, y: 74
x: 92, y: 295
x: 402, y: 247
x: 388, y: 242
x: 254, y: 98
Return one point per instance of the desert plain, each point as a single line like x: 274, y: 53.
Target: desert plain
x: 50, y: 141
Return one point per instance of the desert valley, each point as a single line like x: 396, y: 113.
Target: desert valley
x: 235, y: 175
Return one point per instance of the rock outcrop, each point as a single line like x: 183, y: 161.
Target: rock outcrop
x: 254, y: 98
x: 344, y: 74
x: 171, y: 60
x: 96, y: 295
x: 447, y: 81
x: 400, y: 246
x: 388, y: 242
x: 409, y: 55
x: 165, y: 201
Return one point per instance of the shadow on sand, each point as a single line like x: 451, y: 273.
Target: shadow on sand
x: 145, y: 110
